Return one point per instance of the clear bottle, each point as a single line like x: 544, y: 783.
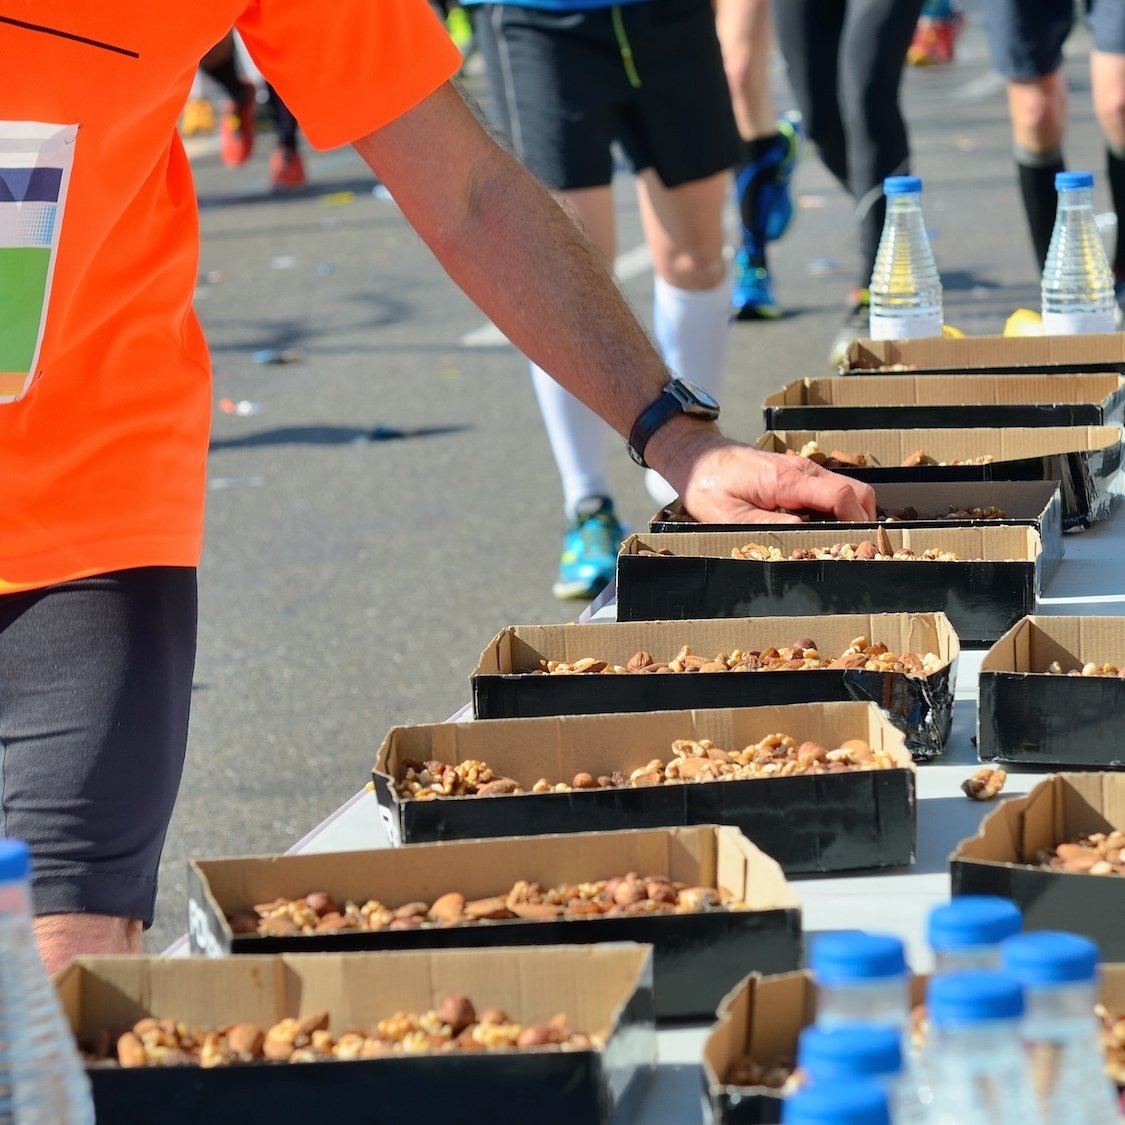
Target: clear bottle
x: 906, y: 298
x: 42, y: 1080
x: 980, y: 1075
x: 965, y: 933
x: 1077, y: 285
x: 837, y: 1103
x: 1059, y: 974
x: 861, y: 978
x: 868, y: 1051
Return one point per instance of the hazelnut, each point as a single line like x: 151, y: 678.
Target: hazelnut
x: 458, y: 1012
x: 321, y: 903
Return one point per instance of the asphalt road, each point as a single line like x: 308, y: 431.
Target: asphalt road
x: 385, y: 503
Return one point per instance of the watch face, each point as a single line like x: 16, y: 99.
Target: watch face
x: 693, y: 397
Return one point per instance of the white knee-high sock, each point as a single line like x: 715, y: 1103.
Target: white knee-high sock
x: 692, y: 327
x: 579, y: 441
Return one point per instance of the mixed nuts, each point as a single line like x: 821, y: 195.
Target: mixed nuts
x: 1095, y: 853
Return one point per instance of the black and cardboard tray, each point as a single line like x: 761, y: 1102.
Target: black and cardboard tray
x: 600, y: 988
x: 1062, y: 354
x: 763, y: 1017
x: 1001, y: 858
x: 505, y: 685
x: 1085, y: 460
x: 1032, y: 717
x: 809, y: 824
x: 1031, y: 503
x: 983, y: 596
x: 697, y: 957
x: 914, y: 402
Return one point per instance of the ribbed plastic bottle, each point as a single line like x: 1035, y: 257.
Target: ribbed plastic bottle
x: 861, y: 978
x: 868, y: 1051
x: 837, y: 1103
x: 965, y: 933
x: 906, y: 298
x: 1059, y: 974
x: 1077, y: 285
x: 974, y: 1056
x: 42, y: 1081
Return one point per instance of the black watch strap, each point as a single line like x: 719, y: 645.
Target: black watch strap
x: 677, y: 397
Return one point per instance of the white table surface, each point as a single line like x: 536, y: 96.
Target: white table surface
x: 1090, y: 580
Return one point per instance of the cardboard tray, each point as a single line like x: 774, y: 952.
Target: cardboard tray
x: 1058, y: 809
x: 697, y: 957
x: 922, y: 708
x: 763, y: 1017
x: 1034, y: 503
x: 599, y: 987
x: 1032, y: 717
x: 883, y: 402
x: 982, y: 598
x: 989, y: 354
x: 1085, y: 460
x: 820, y: 823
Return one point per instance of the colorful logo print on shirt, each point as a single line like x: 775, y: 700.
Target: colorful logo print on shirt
x: 34, y: 171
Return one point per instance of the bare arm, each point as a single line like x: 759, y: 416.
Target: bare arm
x: 517, y: 254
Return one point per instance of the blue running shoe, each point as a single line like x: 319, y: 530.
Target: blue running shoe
x: 589, y: 554
x: 761, y: 185
x: 752, y: 296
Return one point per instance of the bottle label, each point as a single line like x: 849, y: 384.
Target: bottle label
x: 1077, y: 323
x: 892, y: 326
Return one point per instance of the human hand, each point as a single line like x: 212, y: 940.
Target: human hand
x: 724, y: 481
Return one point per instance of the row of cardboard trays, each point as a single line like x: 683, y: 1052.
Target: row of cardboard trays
x: 1054, y: 444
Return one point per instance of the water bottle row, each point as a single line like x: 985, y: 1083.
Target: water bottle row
x: 1076, y: 289
x: 1008, y: 1035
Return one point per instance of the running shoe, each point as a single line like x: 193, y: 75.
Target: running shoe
x: 768, y: 178
x: 934, y: 41
x: 752, y: 296
x: 856, y: 326
x: 236, y: 127
x: 287, y: 169
x: 589, y: 554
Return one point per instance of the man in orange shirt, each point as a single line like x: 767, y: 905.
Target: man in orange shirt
x: 105, y: 385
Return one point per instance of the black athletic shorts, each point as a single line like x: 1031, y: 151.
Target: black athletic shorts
x: 95, y: 682
x: 1026, y: 36
x: 566, y: 84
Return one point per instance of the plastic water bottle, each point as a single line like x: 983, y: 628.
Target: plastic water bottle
x: 1077, y: 286
x: 871, y: 1052
x: 965, y: 933
x: 1059, y: 974
x: 974, y: 1056
x: 905, y: 287
x: 837, y: 1103
x: 861, y: 978
x: 42, y: 1080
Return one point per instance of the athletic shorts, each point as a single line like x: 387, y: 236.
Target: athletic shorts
x: 95, y: 683
x: 1026, y: 36
x: 567, y: 84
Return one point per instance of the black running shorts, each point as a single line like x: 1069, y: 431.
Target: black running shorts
x: 566, y: 85
x: 1026, y: 37
x: 95, y: 682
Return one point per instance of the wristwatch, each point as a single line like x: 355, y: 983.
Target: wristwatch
x: 678, y: 396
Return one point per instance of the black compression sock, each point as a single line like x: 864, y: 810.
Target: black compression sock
x: 749, y: 181
x: 227, y: 76
x: 1037, y: 187
x: 1115, y: 167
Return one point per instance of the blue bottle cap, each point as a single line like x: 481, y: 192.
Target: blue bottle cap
x: 973, y: 920
x: 901, y: 185
x: 837, y: 1103
x: 853, y: 956
x: 1066, y: 180
x: 849, y: 1050
x: 961, y: 998
x: 15, y: 861
x: 1046, y: 958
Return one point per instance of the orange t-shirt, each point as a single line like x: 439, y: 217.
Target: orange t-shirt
x: 102, y: 461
